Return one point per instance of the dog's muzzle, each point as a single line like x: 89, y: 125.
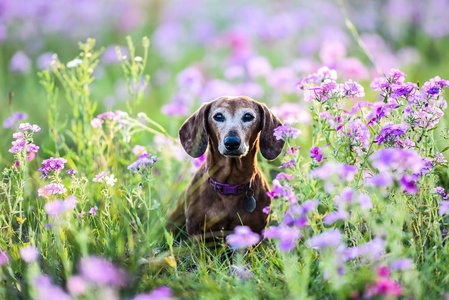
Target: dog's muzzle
x: 232, y: 143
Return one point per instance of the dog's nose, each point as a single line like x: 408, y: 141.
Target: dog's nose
x: 232, y: 142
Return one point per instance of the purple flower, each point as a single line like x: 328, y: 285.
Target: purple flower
x: 288, y: 164
x: 334, y: 216
x: 408, y: 183
x: 13, y: 119
x: 329, y: 169
x: 380, y: 180
x: 32, y: 148
x: 380, y: 84
x: 4, y: 258
x: 401, y: 264
x: 365, y: 201
x: 29, y: 253
x: 45, y: 290
x: 242, y: 237
x: 287, y: 236
x: 286, y: 131
x: 277, y: 190
x: 397, y: 159
x: 51, y: 164
x: 315, y: 152
x: 160, y: 293
x: 359, y: 133
x: 395, y: 76
x: 330, y: 238
x: 198, y: 162
x: 71, y: 171
x: 44, y: 60
x: 347, y: 172
x: 51, y: 189
x: 99, y: 271
x: 296, y: 215
x: 266, y: 210
x: 352, y: 89
x: 435, y: 85
x: 143, y: 160
x: 373, y: 249
x: 444, y: 207
x: 439, y: 190
x: 20, y: 63
x: 391, y: 132
x: 17, y: 146
x: 283, y: 175
x: 54, y: 208
x: 93, y: 210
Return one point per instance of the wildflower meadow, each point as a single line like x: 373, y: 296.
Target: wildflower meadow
x: 93, y: 94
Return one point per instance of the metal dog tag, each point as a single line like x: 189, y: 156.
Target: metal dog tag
x: 249, y: 204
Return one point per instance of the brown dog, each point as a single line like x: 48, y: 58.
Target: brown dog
x: 228, y: 189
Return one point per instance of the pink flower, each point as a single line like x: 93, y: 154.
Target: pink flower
x: 99, y: 177
x: 4, y: 258
x: 29, y: 253
x: 51, y: 189
x: 77, y: 285
x: 97, y: 270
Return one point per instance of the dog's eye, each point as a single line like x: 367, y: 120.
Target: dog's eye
x: 219, y: 117
x: 248, y: 117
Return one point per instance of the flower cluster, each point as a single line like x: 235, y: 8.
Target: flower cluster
x: 52, y: 164
x: 116, y: 116
x: 286, y: 131
x: 23, y: 142
x: 384, y: 286
x: 328, y: 88
x: 106, y: 178
x: 12, y: 120
x: 142, y: 161
x: 51, y: 189
x: 289, y: 231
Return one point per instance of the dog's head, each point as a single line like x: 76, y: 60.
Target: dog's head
x: 232, y: 124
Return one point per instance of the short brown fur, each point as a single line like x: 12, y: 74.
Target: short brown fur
x: 208, y: 212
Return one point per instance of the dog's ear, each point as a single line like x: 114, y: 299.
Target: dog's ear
x: 270, y: 147
x: 193, y: 133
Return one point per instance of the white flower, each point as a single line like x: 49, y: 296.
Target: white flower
x: 138, y: 58
x: 74, y: 63
x: 110, y: 180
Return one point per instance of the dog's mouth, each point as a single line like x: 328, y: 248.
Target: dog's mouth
x: 235, y: 153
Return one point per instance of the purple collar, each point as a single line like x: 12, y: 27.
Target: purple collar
x: 226, y: 189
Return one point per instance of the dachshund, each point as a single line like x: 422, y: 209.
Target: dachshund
x: 228, y: 189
